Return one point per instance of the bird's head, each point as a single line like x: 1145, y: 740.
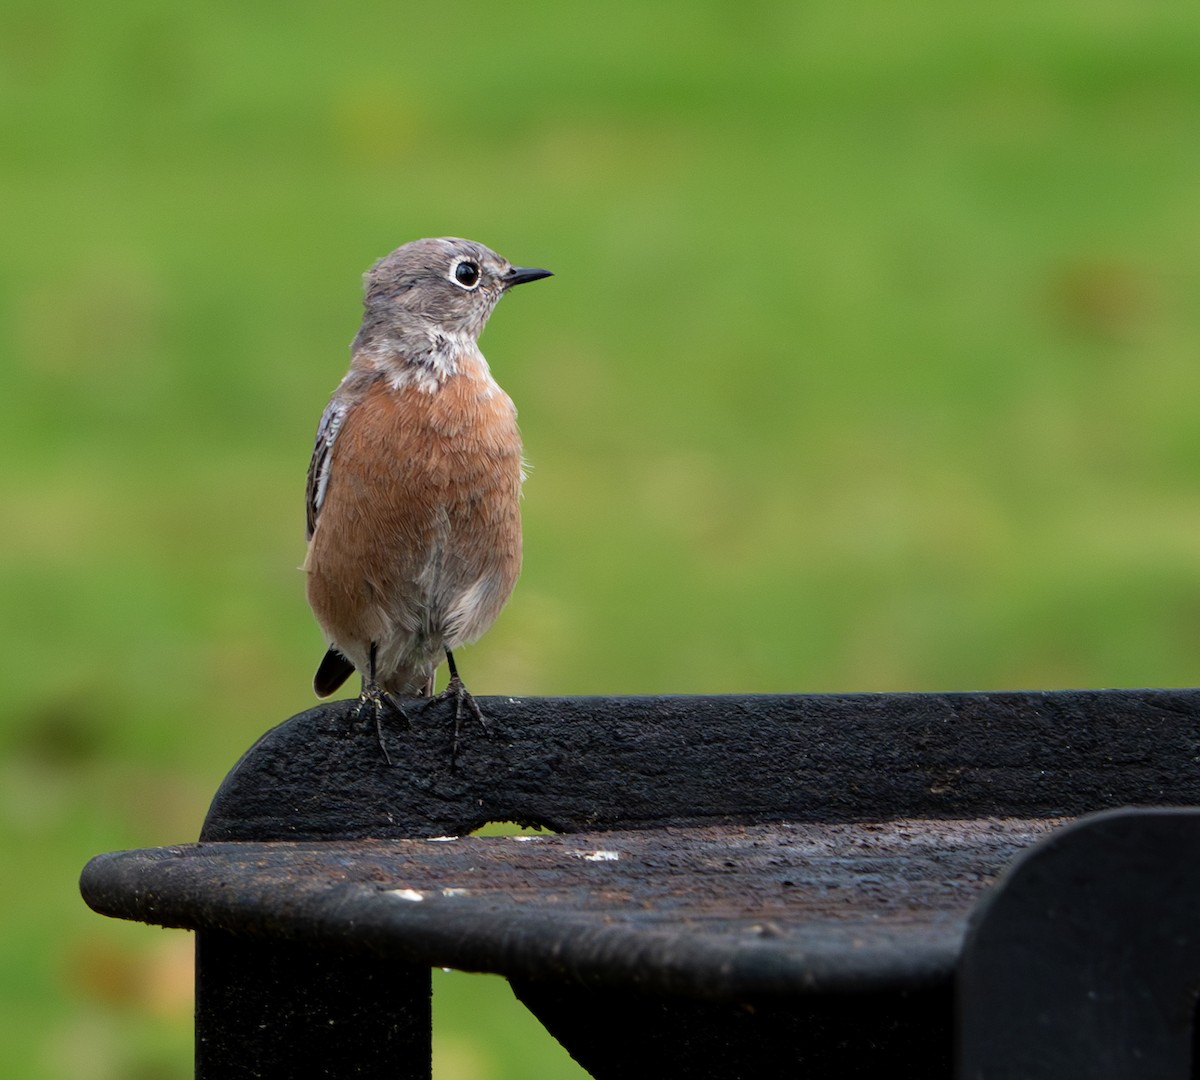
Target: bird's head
x: 445, y: 286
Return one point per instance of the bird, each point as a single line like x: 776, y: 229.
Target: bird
x: 413, y: 517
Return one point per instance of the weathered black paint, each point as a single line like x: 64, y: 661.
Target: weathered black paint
x: 748, y: 918
x: 644, y: 762
x: 713, y: 912
x: 1087, y: 961
x: 273, y: 1008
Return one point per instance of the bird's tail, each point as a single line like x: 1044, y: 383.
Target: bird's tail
x: 334, y: 670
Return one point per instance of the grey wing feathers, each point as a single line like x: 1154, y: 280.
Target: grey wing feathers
x: 318, y: 467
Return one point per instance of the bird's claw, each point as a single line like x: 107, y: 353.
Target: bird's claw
x: 457, y: 692
x: 378, y: 701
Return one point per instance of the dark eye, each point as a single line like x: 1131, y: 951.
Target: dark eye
x: 466, y: 273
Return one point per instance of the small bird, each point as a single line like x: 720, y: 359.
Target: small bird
x: 414, y: 527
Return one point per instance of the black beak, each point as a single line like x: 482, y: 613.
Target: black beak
x: 518, y: 275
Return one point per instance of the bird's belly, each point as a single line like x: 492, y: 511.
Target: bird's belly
x: 418, y: 544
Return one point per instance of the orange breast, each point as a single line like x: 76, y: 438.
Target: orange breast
x: 421, y: 504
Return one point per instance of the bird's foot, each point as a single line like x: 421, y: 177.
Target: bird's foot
x: 464, y: 704
x: 377, y: 700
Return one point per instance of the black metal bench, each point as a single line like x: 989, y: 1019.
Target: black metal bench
x: 839, y: 885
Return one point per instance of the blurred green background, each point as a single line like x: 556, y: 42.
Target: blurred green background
x: 870, y: 363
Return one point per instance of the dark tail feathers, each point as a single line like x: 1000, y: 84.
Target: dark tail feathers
x: 334, y: 670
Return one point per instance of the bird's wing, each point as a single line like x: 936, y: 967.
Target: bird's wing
x: 318, y: 468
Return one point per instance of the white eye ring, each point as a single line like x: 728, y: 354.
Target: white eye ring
x: 465, y: 274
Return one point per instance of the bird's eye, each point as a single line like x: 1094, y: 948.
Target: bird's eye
x: 466, y: 273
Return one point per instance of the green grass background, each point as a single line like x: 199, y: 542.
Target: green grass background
x: 870, y: 363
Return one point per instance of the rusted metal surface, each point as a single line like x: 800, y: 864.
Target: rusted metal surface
x: 711, y: 911
x: 581, y: 764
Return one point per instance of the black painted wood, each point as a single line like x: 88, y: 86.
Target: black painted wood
x: 723, y: 912
x: 616, y: 1034
x: 638, y: 762
x: 652, y: 765
x: 1085, y: 961
x: 270, y: 1008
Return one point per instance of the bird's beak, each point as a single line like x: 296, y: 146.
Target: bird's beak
x: 518, y: 275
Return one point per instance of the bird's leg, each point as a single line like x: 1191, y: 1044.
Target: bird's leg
x: 378, y: 699
x: 463, y: 702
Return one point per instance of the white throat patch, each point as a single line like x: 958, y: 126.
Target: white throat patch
x: 427, y: 369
